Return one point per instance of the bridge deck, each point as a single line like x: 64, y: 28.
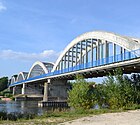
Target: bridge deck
x: 129, y: 62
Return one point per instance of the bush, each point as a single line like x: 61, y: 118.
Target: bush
x: 15, y: 116
x: 81, y: 95
x: 118, y: 90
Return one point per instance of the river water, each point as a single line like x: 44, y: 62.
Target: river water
x: 22, y: 107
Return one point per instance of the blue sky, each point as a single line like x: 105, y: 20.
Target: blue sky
x: 32, y: 30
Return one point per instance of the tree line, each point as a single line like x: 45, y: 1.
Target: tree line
x: 3, y: 83
x: 117, y: 91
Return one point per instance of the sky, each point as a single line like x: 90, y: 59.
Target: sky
x: 39, y: 30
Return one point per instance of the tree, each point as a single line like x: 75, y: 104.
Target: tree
x: 3, y: 83
x: 81, y: 95
x: 111, y: 89
x: 135, y: 80
x: 118, y: 90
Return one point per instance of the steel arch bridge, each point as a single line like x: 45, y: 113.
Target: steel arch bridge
x: 92, y: 54
x: 88, y: 50
x: 96, y: 47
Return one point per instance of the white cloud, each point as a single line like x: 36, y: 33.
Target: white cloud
x: 47, y: 55
x: 2, y: 7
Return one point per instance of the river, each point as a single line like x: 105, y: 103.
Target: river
x: 22, y: 107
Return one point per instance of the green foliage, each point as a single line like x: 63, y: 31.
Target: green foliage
x: 14, y: 116
x: 3, y: 83
x: 135, y: 80
x: 6, y: 93
x: 119, y: 92
x: 100, y: 95
x: 81, y: 95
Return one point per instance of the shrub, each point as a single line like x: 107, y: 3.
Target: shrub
x: 81, y: 95
x: 119, y: 91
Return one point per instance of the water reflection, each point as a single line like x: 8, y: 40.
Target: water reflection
x: 21, y: 107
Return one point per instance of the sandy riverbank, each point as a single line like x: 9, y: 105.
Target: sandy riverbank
x: 122, y: 118
x: 6, y: 99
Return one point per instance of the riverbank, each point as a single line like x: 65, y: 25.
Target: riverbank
x: 122, y: 118
x: 96, y: 117
x: 6, y: 99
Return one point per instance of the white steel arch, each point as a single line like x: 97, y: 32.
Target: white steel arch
x: 101, y: 38
x: 39, y: 68
x: 13, y: 79
x: 22, y: 76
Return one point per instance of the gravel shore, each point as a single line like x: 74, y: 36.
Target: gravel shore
x: 122, y: 118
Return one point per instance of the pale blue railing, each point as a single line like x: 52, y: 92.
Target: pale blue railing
x: 105, y: 61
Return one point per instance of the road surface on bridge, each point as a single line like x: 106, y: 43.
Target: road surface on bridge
x: 122, y: 118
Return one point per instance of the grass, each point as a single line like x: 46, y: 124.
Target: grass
x: 55, y: 117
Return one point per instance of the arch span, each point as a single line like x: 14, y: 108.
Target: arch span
x: 39, y: 68
x: 13, y: 79
x: 22, y: 76
x: 98, y: 43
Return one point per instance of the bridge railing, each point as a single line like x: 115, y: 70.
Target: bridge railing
x: 104, y: 61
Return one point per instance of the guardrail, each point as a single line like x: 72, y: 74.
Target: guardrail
x: 104, y: 61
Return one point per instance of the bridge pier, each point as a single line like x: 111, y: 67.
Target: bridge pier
x: 17, y: 90
x: 32, y: 89
x: 45, y: 97
x: 55, y: 93
x: 13, y: 90
x: 23, y: 89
